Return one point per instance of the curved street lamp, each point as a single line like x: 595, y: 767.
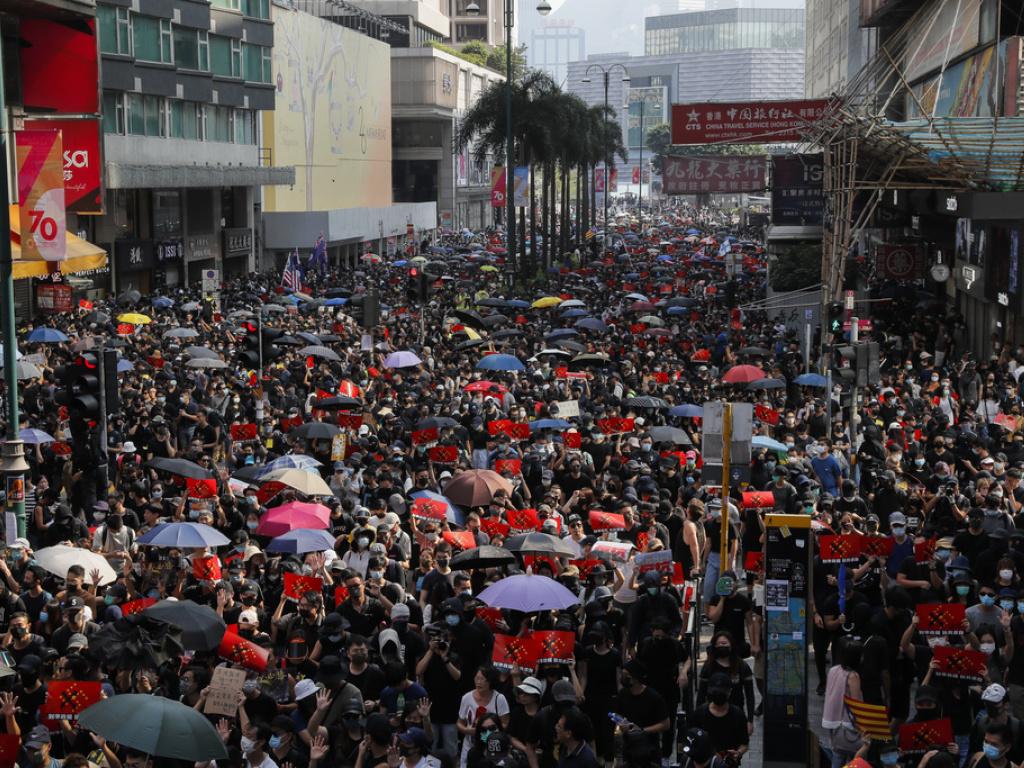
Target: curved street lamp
x: 606, y: 74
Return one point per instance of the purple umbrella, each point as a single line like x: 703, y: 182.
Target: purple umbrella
x: 528, y: 593
x: 403, y: 359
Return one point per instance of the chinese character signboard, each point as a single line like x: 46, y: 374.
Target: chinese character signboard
x: 797, y: 195
x: 53, y: 297
x: 713, y: 173
x: 756, y: 122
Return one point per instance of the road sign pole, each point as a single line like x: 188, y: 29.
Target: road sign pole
x: 854, y: 419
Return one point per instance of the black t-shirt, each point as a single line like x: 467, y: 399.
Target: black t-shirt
x: 734, y: 615
x: 366, y: 621
x: 445, y: 692
x: 726, y: 732
x: 370, y: 681
x: 644, y: 709
x: 602, y: 676
x: 662, y: 659
x: 874, y: 662
x: 261, y: 708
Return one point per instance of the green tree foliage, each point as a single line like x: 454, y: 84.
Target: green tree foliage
x: 796, y: 266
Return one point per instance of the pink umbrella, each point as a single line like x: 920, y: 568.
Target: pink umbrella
x: 293, y: 516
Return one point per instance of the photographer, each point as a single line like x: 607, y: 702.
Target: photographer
x: 439, y: 671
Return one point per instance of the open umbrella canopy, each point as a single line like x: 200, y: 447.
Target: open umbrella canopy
x: 155, y: 726
x: 197, y: 351
x: 536, y: 543
x: 179, y: 535
x: 35, y: 437
x: 811, y: 380
x: 315, y: 430
x: 201, y: 628
x: 591, y: 324
x: 402, y: 359
x: 134, y: 318
x: 687, y: 411
x: 324, y: 353
x: 500, y: 363
x: 540, y: 424
x: 46, y: 336
x: 528, y: 593
x: 546, y: 301
x: 59, y: 558
x: 179, y: 467
x: 743, y: 374
x: 206, y: 362
x: 670, y: 435
x: 476, y: 487
x: 645, y: 401
x: 300, y: 541
x: 294, y: 515
x: 767, y: 384
x: 337, y: 402
x: 290, y: 461
x: 761, y: 441
x: 306, y: 483
x: 180, y: 333
x: 482, y: 557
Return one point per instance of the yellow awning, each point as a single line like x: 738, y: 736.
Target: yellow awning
x: 82, y: 255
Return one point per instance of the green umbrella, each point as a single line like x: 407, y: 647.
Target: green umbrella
x: 156, y: 726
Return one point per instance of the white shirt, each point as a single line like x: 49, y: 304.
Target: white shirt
x: 498, y: 705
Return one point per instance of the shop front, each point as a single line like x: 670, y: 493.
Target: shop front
x: 201, y: 252
x: 134, y: 260
x: 236, y: 244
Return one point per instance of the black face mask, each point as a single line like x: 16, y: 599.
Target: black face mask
x: 722, y: 651
x: 718, y: 696
x: 926, y: 713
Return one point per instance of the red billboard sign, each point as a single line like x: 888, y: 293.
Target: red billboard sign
x: 59, y: 66
x: 53, y: 297
x: 713, y: 173
x: 751, y: 122
x: 82, y: 160
x: 498, y: 187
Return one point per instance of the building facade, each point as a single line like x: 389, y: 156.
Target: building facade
x: 184, y: 83
x: 486, y: 25
x: 837, y: 46
x: 555, y: 43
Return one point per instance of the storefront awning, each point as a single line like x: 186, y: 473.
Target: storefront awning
x: 83, y: 256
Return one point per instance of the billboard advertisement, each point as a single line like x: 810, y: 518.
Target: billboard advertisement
x: 41, y: 196
x: 979, y: 86
x: 949, y: 32
x: 749, y: 122
x: 713, y: 173
x: 521, y: 186
x: 498, y: 186
x: 332, y: 119
x: 59, y: 65
x: 83, y: 161
x: 798, y: 197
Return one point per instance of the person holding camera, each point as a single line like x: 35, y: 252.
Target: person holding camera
x: 440, y: 672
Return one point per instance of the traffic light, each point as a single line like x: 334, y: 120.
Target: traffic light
x: 418, y: 288
x: 835, y: 317
x: 111, y: 391
x: 250, y: 355
x: 81, y: 392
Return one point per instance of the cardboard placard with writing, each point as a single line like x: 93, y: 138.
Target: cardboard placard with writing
x: 225, y: 687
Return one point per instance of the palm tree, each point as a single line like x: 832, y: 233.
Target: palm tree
x: 605, y: 143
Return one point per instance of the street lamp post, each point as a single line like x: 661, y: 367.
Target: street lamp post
x: 473, y: 9
x: 606, y: 74
x: 640, y: 192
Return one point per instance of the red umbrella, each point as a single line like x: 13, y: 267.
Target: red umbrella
x: 475, y: 487
x: 484, y: 386
x: 743, y: 374
x: 293, y: 516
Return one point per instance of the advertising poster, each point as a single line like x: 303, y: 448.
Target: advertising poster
x: 753, y: 122
x: 83, y: 161
x: 713, y: 173
x: 41, y: 195
x: 521, y: 187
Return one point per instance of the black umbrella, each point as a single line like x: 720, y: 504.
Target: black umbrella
x: 337, y: 402
x: 589, y: 359
x: 670, y: 435
x: 755, y: 351
x: 483, y: 557
x: 289, y: 341
x: 129, y: 297
x: 645, y: 401
x: 573, y: 346
x: 330, y: 338
x: 469, y: 344
x: 437, y: 422
x: 315, y: 430
x: 180, y: 467
x: 97, y: 317
x: 201, y: 628
x: 493, y: 321
x: 501, y: 303
x: 507, y: 333
x: 137, y: 642
x: 535, y: 543
x: 469, y: 317
x: 249, y: 474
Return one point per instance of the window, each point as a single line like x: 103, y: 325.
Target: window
x: 256, y: 59
x: 136, y: 115
x: 113, y: 112
x: 220, y: 123
x: 244, y: 133
x: 145, y: 115
x: 464, y: 32
x: 186, y: 47
x: 231, y: 5
x: 204, y: 50
x: 220, y: 55
x: 192, y: 121
x: 175, y: 116
x: 153, y: 39
x: 115, y: 30
x: 257, y: 9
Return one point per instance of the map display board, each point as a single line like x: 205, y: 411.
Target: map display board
x: 787, y: 562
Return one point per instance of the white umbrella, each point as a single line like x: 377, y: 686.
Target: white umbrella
x: 59, y: 558
x: 307, y: 483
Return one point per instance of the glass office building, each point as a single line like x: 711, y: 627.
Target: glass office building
x: 724, y: 30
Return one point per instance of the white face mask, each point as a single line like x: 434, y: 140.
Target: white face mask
x: 987, y: 648
x: 937, y: 642
x: 1005, y: 574
x: 246, y: 744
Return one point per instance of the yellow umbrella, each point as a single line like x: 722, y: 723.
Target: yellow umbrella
x: 545, y: 302
x: 134, y: 318
x: 470, y: 333
x: 488, y: 268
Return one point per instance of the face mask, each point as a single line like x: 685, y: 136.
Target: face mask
x: 452, y: 620
x: 652, y: 590
x: 992, y: 752
x: 646, y: 446
x: 918, y: 462
x: 987, y: 648
x: 252, y: 525
x: 963, y: 589
x: 193, y: 514
x: 925, y: 713
x: 250, y: 686
x: 442, y: 562
x: 44, y: 617
x: 274, y: 742
x: 246, y: 744
x: 430, y: 536
x: 942, y: 555
x: 718, y: 697
x: 988, y: 600
x: 890, y: 758
x: 1006, y: 605
x: 99, y: 517
x: 108, y: 599
x: 790, y: 446
x: 723, y: 651
x: 19, y: 632
x: 362, y: 542
x: 898, y: 530
x: 1005, y: 574
x: 376, y: 574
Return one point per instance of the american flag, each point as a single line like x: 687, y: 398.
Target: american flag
x: 292, y: 275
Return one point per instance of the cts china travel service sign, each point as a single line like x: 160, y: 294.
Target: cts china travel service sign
x: 754, y: 122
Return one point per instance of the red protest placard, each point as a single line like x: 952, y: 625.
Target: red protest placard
x: 201, y: 489
x: 206, y: 568
x: 85, y: 304
x: 554, y: 647
x: 498, y: 426
x: 522, y: 520
x: 424, y: 436
x: 156, y: 362
x: 753, y: 561
x: 350, y: 420
x: 443, y: 454
x: 586, y: 566
x: 429, y: 509
x: 460, y: 539
x: 492, y: 617
x: 508, y: 465
x: 10, y: 745
x: 510, y: 651
x: 125, y: 329
x: 637, y: 328
x: 766, y: 414
x: 876, y: 546
x: 296, y: 585
x: 758, y: 500
x: 534, y: 561
x: 60, y: 449
x: 960, y: 663
x: 240, y: 651
x: 269, y: 490
x: 615, y: 426
x: 494, y: 527
x: 606, y: 521
x: 340, y: 595
x: 941, y: 618
x: 660, y: 561
x: 840, y: 549
x: 518, y: 431
x: 241, y: 433
x: 290, y: 423
x: 65, y: 699
x: 924, y: 551
x: 660, y: 377
x: 921, y: 737
x: 572, y: 440
x: 137, y: 606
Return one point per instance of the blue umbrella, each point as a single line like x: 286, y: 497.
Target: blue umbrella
x: 664, y: 257
x: 335, y: 302
x: 693, y: 231
x: 183, y: 535
x: 124, y: 365
x: 760, y: 441
x: 301, y: 541
x: 35, y: 437
x: 518, y: 304
x: 528, y: 593
x: 549, y: 424
x: 767, y: 384
x: 591, y: 324
x: 162, y: 302
x: 46, y: 336
x: 452, y: 512
x: 290, y: 461
x: 399, y: 263
x: 811, y: 380
x: 500, y: 363
x: 687, y: 411
x: 569, y: 313
x: 562, y: 333
x: 309, y: 338
x: 677, y: 311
